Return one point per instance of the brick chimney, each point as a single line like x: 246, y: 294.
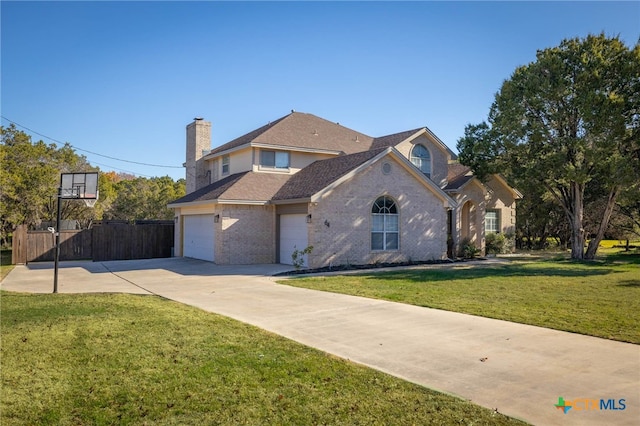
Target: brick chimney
x: 198, y: 145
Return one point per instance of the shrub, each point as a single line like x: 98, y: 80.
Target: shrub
x: 509, y: 243
x: 298, y: 256
x: 468, y: 250
x: 494, y: 243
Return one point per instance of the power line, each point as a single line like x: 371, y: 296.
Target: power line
x: 85, y: 150
x: 122, y: 170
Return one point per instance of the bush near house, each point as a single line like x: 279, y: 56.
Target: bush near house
x: 499, y: 243
x: 468, y: 249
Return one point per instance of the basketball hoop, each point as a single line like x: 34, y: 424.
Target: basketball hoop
x: 73, y: 186
x: 91, y: 202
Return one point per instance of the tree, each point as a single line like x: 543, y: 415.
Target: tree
x: 568, y: 122
x: 30, y: 178
x: 143, y: 198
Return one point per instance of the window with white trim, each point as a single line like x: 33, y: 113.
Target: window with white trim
x: 421, y: 158
x: 492, y: 221
x: 384, y: 225
x: 274, y: 159
x: 225, y: 164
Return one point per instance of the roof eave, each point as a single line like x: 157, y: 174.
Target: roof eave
x: 426, y: 131
x: 295, y: 148
x: 291, y: 201
x: 191, y: 203
x: 214, y: 155
x: 245, y: 202
x: 516, y: 194
x: 442, y: 144
x: 444, y: 197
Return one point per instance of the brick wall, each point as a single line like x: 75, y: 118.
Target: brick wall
x: 247, y: 235
x: 439, y: 159
x: 470, y: 214
x: 502, y: 199
x: 198, y: 141
x: 347, y: 211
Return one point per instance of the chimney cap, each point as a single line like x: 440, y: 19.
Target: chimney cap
x: 198, y: 119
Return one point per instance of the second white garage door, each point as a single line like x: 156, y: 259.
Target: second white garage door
x: 293, y: 235
x: 199, y: 237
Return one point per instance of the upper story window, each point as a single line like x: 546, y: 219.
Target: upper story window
x: 492, y: 221
x: 384, y: 224
x: 225, y: 164
x: 421, y: 158
x: 274, y: 159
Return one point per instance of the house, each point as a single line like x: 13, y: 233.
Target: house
x: 304, y: 181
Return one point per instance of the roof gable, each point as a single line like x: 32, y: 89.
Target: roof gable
x: 319, y: 174
x: 394, y: 139
x: 311, y: 182
x: 304, y: 132
x: 502, y: 181
x: 409, y: 135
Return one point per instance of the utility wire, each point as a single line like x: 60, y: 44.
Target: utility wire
x: 90, y: 152
x: 122, y: 170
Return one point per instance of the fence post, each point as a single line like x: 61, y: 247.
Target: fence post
x: 19, y: 246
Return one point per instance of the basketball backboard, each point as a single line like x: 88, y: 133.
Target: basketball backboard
x: 79, y: 185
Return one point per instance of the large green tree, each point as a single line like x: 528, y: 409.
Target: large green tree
x: 142, y: 198
x: 568, y: 122
x: 29, y: 178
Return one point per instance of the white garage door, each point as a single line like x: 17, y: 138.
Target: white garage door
x: 293, y: 235
x: 198, y: 237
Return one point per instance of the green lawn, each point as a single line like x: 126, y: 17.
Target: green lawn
x: 5, y: 263
x: 600, y: 298
x: 126, y: 359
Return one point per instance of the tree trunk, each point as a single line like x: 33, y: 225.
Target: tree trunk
x: 577, y: 213
x: 606, y: 216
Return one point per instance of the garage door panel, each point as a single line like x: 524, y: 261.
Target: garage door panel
x: 293, y: 235
x: 199, y: 237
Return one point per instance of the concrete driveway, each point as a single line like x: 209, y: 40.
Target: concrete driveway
x: 517, y: 369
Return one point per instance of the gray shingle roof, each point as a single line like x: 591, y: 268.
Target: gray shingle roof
x: 394, y: 139
x: 245, y: 186
x: 320, y: 174
x: 456, y: 169
x: 457, y: 175
x: 306, y: 131
x: 248, y: 138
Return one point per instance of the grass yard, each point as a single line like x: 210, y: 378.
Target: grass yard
x: 600, y: 298
x: 5, y: 263
x: 126, y: 359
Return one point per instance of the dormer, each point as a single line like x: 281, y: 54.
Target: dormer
x: 424, y: 149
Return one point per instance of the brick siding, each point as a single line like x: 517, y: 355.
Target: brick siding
x: 247, y: 235
x: 347, y: 210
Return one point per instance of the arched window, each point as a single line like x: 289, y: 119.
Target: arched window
x: 384, y: 224
x: 421, y: 158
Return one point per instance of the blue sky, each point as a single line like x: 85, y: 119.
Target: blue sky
x: 123, y: 79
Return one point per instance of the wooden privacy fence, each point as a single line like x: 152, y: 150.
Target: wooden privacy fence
x: 108, y: 241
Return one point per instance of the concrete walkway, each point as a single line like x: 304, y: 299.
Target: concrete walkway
x: 517, y: 369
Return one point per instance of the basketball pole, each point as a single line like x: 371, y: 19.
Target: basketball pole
x: 57, y: 252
